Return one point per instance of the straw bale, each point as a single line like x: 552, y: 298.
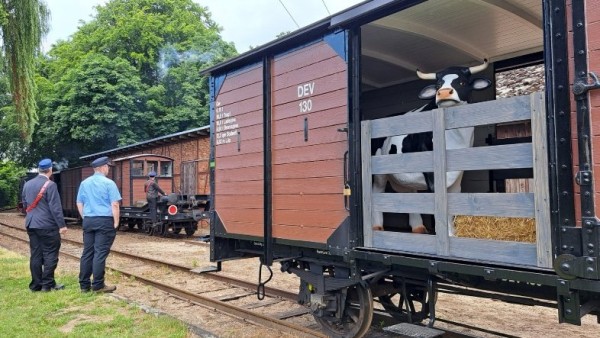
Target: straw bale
x: 497, y: 228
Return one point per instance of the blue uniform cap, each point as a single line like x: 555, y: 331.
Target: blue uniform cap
x: 45, y: 164
x: 100, y: 162
x: 152, y: 173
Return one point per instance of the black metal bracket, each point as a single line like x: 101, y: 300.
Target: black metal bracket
x: 569, y: 309
x: 584, y: 177
x: 570, y: 267
x: 590, y: 236
x: 585, y: 264
x: 570, y: 241
x: 582, y: 85
x: 579, y: 251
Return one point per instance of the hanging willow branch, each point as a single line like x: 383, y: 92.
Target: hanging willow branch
x: 23, y: 23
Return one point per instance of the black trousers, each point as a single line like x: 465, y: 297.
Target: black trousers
x: 152, y: 206
x: 98, y: 237
x: 44, y: 245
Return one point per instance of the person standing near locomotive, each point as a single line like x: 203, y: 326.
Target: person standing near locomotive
x: 152, y: 193
x: 45, y: 223
x: 98, y: 204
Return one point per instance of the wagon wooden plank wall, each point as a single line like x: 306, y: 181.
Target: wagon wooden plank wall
x: 442, y: 204
x: 69, y: 185
x: 309, y: 106
x: 239, y: 154
x: 131, y: 183
x: 190, y: 162
x: 196, y: 151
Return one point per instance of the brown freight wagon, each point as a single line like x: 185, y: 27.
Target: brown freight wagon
x: 131, y: 173
x: 325, y: 159
x: 181, y: 163
x: 68, y: 181
x: 189, y: 151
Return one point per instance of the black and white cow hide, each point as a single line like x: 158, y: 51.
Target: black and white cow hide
x: 453, y: 87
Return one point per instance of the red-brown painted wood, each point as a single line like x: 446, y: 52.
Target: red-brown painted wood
x: 302, y: 57
x: 324, y: 168
x: 242, y: 78
x: 308, y: 202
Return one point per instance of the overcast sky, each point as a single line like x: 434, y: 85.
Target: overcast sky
x: 245, y: 22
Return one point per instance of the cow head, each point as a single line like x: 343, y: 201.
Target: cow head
x: 454, y: 85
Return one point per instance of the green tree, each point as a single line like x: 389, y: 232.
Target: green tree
x: 138, y: 30
x: 22, y: 25
x: 10, y: 174
x: 96, y: 106
x: 165, y: 42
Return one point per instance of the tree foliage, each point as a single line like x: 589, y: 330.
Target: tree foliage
x: 98, y: 103
x: 10, y: 174
x: 22, y: 24
x: 130, y: 74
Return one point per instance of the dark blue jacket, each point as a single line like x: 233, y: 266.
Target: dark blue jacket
x: 48, y: 212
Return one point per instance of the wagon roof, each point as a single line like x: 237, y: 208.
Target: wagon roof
x: 140, y: 155
x: 429, y: 36
x: 171, y: 138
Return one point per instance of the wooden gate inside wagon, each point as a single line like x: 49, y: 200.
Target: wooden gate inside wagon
x: 443, y: 205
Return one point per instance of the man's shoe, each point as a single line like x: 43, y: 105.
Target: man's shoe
x: 106, y: 289
x: 86, y: 290
x: 56, y: 287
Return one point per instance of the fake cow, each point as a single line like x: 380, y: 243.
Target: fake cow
x: 453, y: 87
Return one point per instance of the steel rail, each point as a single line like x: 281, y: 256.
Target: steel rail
x: 223, y: 307
x: 272, y: 292
x: 218, y: 305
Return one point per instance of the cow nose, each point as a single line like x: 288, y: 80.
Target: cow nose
x: 445, y: 93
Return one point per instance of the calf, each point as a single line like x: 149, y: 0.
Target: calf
x: 453, y: 87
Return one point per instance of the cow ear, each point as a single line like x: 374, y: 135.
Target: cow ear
x: 427, y: 93
x: 480, y: 84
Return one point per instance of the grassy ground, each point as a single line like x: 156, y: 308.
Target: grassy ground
x: 69, y: 313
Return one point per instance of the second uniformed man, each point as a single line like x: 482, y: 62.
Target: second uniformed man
x: 98, y: 203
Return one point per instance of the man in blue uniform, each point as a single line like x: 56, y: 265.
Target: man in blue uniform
x: 98, y: 204
x: 45, y: 223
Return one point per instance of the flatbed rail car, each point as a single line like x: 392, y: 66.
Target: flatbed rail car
x: 295, y: 175
x: 175, y: 213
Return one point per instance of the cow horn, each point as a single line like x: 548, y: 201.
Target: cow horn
x: 477, y: 69
x: 425, y: 76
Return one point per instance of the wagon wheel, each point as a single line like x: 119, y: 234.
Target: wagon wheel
x: 417, y: 304
x: 153, y: 230
x: 162, y: 229
x: 147, y: 227
x: 357, y: 317
x: 190, y: 229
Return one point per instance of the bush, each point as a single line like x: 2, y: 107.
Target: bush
x: 10, y: 176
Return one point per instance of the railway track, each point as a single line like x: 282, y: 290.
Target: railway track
x: 226, y: 290
x: 220, y: 296
x: 269, y: 291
